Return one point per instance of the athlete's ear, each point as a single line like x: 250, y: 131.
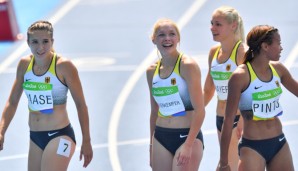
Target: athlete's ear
x: 234, y: 26
x: 264, y: 46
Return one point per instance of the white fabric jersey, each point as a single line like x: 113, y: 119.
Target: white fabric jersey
x: 262, y: 98
x: 44, y: 91
x: 171, y: 93
x: 221, y: 72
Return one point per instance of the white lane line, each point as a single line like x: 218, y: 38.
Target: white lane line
x: 292, y: 57
x: 23, y: 46
x: 127, y: 88
x: 132, y: 142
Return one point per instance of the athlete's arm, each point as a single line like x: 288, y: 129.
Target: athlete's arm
x: 13, y: 100
x: 286, y: 78
x: 236, y: 84
x: 191, y: 73
x: 153, y: 104
x: 72, y: 80
x: 209, y: 87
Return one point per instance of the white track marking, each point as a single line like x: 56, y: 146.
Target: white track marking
x: 23, y: 47
x: 292, y: 57
x: 136, y: 75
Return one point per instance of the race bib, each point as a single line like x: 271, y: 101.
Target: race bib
x: 221, y: 80
x: 168, y: 100
x: 39, y: 96
x: 64, y: 147
x: 266, y: 105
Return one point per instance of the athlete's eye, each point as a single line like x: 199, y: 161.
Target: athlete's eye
x: 161, y: 35
x: 34, y: 41
x: 46, y: 41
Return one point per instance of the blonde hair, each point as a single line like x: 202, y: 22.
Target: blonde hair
x: 159, y: 22
x: 231, y: 15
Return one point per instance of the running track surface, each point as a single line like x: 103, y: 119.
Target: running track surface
x: 108, y: 40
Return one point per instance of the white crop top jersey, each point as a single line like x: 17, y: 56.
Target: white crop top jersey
x: 171, y: 93
x: 44, y: 91
x: 221, y: 72
x: 262, y: 98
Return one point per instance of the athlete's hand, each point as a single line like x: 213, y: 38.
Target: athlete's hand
x: 184, y: 154
x: 1, y: 142
x: 87, y: 153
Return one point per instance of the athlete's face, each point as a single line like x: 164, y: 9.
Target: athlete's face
x: 220, y: 28
x: 275, y: 48
x: 40, y: 43
x: 166, y: 38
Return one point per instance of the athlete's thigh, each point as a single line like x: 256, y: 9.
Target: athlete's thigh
x: 282, y: 160
x: 161, y: 157
x: 34, y: 157
x: 57, y: 154
x: 251, y: 160
x: 196, y: 157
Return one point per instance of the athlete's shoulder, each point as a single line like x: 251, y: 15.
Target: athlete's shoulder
x: 152, y: 67
x: 188, y: 66
x: 62, y: 59
x: 26, y: 59
x: 240, y: 74
x: 241, y: 69
x: 65, y: 66
x: 64, y: 63
x: 188, y: 60
x: 279, y: 67
x: 213, y: 49
x: 240, y: 78
x: 24, y: 62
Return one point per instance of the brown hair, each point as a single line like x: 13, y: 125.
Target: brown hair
x: 40, y: 25
x: 255, y: 38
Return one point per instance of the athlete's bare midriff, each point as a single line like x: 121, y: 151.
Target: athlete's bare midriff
x: 44, y: 122
x: 176, y: 122
x: 263, y: 129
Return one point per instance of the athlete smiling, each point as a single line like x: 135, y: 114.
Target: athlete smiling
x: 46, y: 78
x: 177, y: 107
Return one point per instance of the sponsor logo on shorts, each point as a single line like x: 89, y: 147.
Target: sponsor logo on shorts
x: 280, y: 139
x: 183, y: 136
x: 51, y: 134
